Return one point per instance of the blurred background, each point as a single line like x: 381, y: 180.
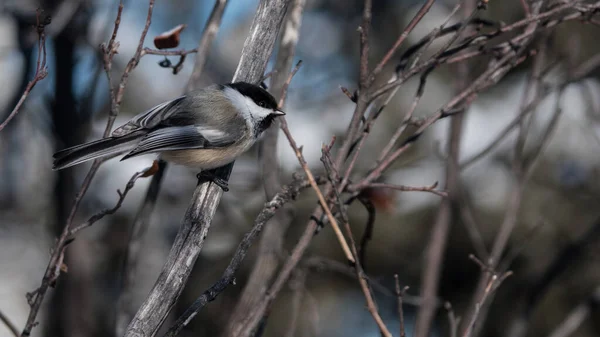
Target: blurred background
x: 559, y: 210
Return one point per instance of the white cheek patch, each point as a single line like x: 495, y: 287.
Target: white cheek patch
x: 238, y: 100
x: 246, y: 106
x: 256, y: 111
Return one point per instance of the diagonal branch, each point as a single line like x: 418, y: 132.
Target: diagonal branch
x: 287, y: 194
x: 197, y: 220
x: 41, y: 71
x: 124, y: 312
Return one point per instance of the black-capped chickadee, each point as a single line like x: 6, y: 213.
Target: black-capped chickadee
x: 205, y: 129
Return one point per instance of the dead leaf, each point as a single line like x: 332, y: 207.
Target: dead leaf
x: 169, y: 39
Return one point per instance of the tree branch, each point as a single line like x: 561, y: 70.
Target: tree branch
x: 197, y: 220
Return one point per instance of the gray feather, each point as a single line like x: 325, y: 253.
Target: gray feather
x: 181, y: 137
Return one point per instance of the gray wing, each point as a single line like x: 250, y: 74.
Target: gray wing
x: 179, y: 138
x: 149, y: 119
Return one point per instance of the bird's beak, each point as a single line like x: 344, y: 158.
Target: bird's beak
x: 279, y: 112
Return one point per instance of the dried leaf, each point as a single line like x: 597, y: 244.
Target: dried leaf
x: 151, y: 170
x: 169, y: 39
x: 383, y: 199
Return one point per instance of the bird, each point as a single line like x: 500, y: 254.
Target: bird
x: 203, y: 129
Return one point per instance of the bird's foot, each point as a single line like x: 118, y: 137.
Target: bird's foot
x: 210, y: 176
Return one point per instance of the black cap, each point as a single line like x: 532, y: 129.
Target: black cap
x: 259, y: 95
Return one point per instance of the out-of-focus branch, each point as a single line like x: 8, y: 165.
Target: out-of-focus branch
x: 436, y: 247
x: 476, y: 314
x: 287, y: 194
x: 577, y: 316
x: 41, y: 71
x: 197, y: 220
x: 364, y: 285
x: 9, y: 325
x: 53, y: 269
x: 558, y: 266
x: 98, y: 216
x: 271, y: 242
x: 208, y: 36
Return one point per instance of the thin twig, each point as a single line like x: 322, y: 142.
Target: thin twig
x: 403, y: 188
x: 364, y: 285
x: 53, y: 269
x: 287, y: 194
x: 322, y: 202
x: 41, y: 71
x: 208, y: 35
x: 452, y: 320
x: 98, y: 216
x: 399, y: 295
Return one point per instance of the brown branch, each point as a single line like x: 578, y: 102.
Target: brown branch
x: 334, y: 225
x: 41, y: 71
x: 403, y: 188
x: 197, y: 220
x: 297, y: 285
x: 287, y: 194
x: 53, y: 269
x: 271, y: 243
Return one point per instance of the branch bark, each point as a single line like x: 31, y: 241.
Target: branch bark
x: 197, y: 220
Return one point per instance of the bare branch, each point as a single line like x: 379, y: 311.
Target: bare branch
x: 54, y: 265
x: 208, y: 35
x: 41, y: 71
x: 287, y: 194
x: 400, y: 294
x: 371, y: 305
x: 10, y: 325
x: 197, y: 220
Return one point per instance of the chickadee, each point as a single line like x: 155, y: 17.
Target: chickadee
x: 204, y: 129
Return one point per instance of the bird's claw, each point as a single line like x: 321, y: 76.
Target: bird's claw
x: 209, y: 176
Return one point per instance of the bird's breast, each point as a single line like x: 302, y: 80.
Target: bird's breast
x: 206, y: 159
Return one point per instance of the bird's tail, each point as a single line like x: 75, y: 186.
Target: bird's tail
x: 97, y: 149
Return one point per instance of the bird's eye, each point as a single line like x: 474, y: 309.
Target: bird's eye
x: 262, y: 104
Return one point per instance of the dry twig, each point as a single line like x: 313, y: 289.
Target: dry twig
x: 54, y: 265
x: 41, y: 71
